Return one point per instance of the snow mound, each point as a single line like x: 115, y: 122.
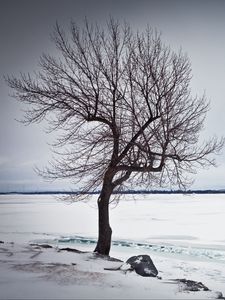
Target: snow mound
x: 38, y: 271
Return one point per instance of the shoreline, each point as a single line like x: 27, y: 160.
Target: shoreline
x: 44, y: 271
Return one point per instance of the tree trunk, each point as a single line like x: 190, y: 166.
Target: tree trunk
x: 104, y: 229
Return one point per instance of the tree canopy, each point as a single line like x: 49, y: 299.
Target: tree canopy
x: 121, y: 98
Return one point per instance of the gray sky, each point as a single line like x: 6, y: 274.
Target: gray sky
x: 25, y: 27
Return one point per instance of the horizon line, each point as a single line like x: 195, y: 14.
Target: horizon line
x: 177, y: 191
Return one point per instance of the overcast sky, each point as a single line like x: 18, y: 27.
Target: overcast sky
x: 25, y: 27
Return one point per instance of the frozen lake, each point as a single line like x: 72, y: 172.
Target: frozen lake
x: 188, y: 225
x: 183, y: 234
x: 194, y: 221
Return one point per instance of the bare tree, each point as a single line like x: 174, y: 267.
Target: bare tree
x: 122, y: 102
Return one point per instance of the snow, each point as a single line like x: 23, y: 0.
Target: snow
x: 138, y: 260
x: 148, y: 271
x: 182, y: 234
x: 53, y: 274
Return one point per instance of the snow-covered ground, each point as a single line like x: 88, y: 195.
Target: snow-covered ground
x: 184, y: 235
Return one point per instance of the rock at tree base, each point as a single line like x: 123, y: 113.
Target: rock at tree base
x: 143, y: 265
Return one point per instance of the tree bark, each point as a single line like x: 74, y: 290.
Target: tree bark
x: 104, y: 229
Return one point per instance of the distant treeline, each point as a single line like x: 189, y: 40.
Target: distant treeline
x: 121, y: 192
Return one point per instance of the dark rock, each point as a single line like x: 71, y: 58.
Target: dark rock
x: 143, y: 265
x: 45, y: 246
x: 1, y: 242
x: 219, y: 295
x: 71, y: 250
x: 193, y: 286
x: 113, y: 269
